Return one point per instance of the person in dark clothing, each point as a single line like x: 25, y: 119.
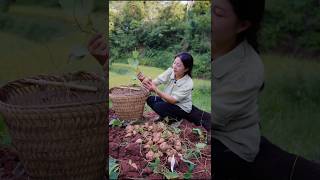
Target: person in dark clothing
x: 274, y: 163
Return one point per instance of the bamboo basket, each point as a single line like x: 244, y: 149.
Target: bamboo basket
x: 128, y: 102
x: 58, y: 127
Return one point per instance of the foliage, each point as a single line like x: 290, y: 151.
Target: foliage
x: 113, y: 168
x: 98, y: 4
x: 116, y: 122
x: 160, y: 30
x: 198, y: 132
x: 291, y: 26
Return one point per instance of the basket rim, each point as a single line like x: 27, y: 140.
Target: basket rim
x: 119, y: 87
x: 52, y: 106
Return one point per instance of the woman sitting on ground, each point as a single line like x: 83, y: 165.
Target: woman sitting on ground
x: 176, y: 99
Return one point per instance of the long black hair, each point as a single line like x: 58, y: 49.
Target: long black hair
x: 187, y: 61
x: 252, y: 11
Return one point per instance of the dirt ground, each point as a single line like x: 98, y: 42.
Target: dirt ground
x: 125, y: 150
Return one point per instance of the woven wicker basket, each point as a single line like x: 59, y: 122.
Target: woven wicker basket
x: 128, y: 102
x: 59, y: 131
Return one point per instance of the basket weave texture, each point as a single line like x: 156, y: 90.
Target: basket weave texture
x: 58, y: 132
x: 128, y: 104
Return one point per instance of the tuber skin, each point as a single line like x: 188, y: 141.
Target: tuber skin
x: 150, y: 156
x: 161, y: 140
x: 139, y: 141
x: 156, y: 139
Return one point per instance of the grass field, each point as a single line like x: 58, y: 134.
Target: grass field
x: 289, y: 104
x: 38, y: 40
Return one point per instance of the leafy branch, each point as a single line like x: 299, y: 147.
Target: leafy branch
x: 80, y: 11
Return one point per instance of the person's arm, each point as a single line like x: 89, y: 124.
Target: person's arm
x: 165, y: 96
x: 153, y: 87
x: 97, y: 47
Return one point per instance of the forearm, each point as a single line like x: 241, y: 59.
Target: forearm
x: 165, y: 96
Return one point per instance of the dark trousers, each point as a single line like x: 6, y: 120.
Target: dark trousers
x: 164, y: 109
x: 271, y: 163
x: 227, y: 165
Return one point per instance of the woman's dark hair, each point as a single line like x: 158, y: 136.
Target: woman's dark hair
x: 187, y: 61
x: 252, y: 11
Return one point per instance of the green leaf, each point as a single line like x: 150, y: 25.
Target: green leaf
x: 187, y: 161
x: 157, y: 160
x: 154, y: 165
x: 154, y: 148
x: 187, y: 175
x: 191, y: 167
x: 112, y: 160
x: 200, y: 145
x: 113, y: 168
x: 189, y: 153
x: 135, y: 64
x: 135, y: 54
x: 176, y: 130
x: 130, y: 61
x: 197, y: 131
x: 115, y: 122
x: 171, y: 175
x: 196, y: 153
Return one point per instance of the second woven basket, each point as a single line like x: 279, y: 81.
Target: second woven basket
x: 128, y: 102
x: 59, y: 132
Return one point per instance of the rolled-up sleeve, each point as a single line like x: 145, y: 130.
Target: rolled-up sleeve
x: 164, y: 77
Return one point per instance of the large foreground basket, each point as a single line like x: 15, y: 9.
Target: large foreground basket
x: 128, y: 102
x: 59, y: 130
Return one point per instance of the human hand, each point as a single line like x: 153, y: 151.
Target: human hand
x: 97, y: 47
x: 148, y: 84
x: 141, y: 77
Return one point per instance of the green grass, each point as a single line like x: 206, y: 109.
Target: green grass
x: 121, y: 74
x: 23, y: 56
x: 289, y: 104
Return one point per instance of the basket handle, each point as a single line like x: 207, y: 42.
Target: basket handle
x: 64, y: 84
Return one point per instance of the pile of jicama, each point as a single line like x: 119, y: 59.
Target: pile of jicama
x: 158, y: 139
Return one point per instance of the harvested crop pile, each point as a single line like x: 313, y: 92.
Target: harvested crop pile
x: 157, y: 151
